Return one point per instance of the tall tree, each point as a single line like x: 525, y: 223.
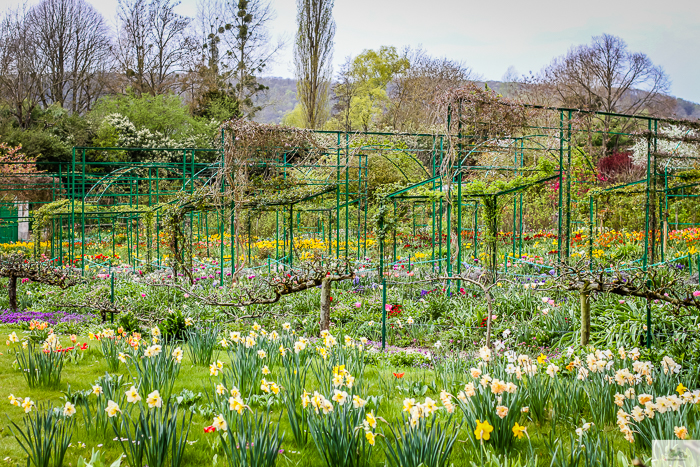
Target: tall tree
x: 313, y: 55
x: 152, y: 44
x: 415, y: 88
x: 603, y: 75
x: 73, y: 40
x: 606, y: 76
x: 21, y: 68
x: 237, y: 47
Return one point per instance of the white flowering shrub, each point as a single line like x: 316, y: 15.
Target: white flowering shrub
x: 669, y: 144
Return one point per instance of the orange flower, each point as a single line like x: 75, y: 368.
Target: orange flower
x: 399, y: 375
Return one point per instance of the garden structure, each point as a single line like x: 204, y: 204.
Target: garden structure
x: 502, y: 176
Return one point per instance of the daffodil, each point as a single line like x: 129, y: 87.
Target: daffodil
x: 371, y: 437
x: 236, y: 404
x: 154, y: 399
x: 339, y: 396
x: 371, y: 419
x: 519, y: 431
x: 219, y: 423
x: 112, y: 408
x: 483, y: 430
x: 132, y: 395
x: 69, y: 410
x: 408, y: 404
x: 358, y: 402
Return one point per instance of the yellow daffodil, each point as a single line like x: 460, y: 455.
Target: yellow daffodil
x: 483, y: 430
x: 519, y: 431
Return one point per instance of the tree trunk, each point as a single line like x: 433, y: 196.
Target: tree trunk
x: 12, y: 293
x: 325, y: 321
x: 585, y: 295
x: 489, y: 309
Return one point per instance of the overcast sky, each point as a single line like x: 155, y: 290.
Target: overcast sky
x: 490, y: 36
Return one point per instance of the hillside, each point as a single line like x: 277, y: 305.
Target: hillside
x: 281, y: 98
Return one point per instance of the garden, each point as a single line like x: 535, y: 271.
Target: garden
x: 480, y: 296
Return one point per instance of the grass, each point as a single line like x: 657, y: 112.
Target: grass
x: 379, y: 382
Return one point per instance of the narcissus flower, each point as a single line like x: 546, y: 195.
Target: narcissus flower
x: 112, y: 408
x: 132, y: 395
x: 502, y: 411
x: 219, y: 423
x: 681, y: 432
x: 154, y: 399
x: 69, y: 410
x: 483, y: 430
x: 519, y: 431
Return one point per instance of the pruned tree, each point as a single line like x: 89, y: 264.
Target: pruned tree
x: 313, y: 56
x: 266, y: 290
x: 483, y: 281
x: 73, y: 41
x: 659, y: 284
x: 17, y: 266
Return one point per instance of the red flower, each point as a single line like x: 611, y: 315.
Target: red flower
x: 84, y: 346
x: 209, y: 429
x: 399, y: 375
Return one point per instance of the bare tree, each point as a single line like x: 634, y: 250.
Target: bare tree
x: 152, y: 44
x: 73, y: 41
x: 313, y: 55
x: 250, y: 49
x: 414, y: 91
x: 601, y: 76
x: 344, y: 90
x: 237, y: 47
x: 21, y: 67
x: 605, y: 76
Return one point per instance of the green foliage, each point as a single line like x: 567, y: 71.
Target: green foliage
x: 217, y: 105
x: 367, y: 79
x: 250, y: 440
x: 128, y: 322
x: 338, y: 437
x: 407, y: 359
x: 164, y: 113
x: 294, y: 117
x: 201, y: 342
x: 45, y: 437
x: 40, y: 368
x: 156, y: 370
x: 152, y: 436
x: 428, y: 443
x: 174, y: 327
x: 147, y: 121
